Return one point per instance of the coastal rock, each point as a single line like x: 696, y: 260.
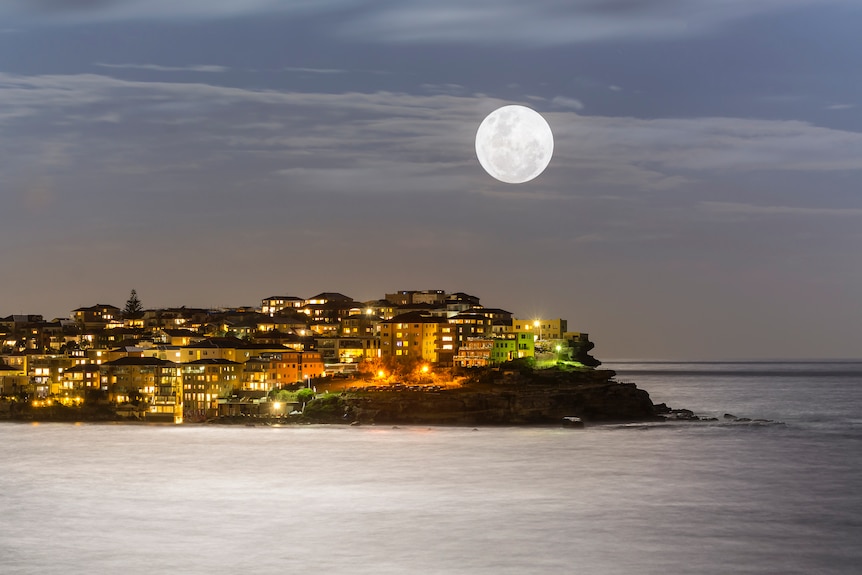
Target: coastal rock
x: 661, y: 408
x: 509, y: 398
x: 681, y: 415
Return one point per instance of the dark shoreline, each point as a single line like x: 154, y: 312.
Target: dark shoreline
x: 545, y: 397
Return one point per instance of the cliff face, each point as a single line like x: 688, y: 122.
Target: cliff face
x: 540, y: 397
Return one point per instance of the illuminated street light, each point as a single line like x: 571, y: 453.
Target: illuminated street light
x: 538, y: 326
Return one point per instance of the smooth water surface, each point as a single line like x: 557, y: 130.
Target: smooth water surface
x: 667, y: 498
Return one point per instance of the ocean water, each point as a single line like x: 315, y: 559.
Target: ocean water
x: 717, y: 497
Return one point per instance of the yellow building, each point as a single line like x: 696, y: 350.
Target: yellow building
x: 46, y: 372
x: 348, y: 349
x: 177, y: 337
x: 413, y: 335
x: 541, y: 328
x: 13, y: 380
x: 156, y: 382
x: 276, y: 304
x: 226, y: 348
x: 204, y: 382
x: 79, y: 379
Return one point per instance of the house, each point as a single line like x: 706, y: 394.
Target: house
x: 117, y: 337
x: 98, y: 316
x: 79, y: 379
x: 176, y: 336
x: 325, y: 318
x: 246, y: 403
x: 411, y: 297
x: 31, y: 333
x: 177, y: 317
x: 277, y: 304
x: 327, y: 297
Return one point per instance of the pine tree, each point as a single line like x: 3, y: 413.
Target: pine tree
x: 133, y: 305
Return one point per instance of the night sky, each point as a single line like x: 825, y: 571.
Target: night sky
x: 703, y: 201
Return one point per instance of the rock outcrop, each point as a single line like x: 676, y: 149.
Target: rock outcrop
x: 508, y: 398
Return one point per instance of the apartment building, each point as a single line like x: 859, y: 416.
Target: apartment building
x: 204, y: 382
x: 413, y: 335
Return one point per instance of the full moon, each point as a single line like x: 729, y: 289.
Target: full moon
x: 514, y: 144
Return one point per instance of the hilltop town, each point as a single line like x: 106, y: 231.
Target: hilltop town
x: 195, y: 364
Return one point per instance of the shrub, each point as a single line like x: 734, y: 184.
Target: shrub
x: 326, y: 408
x: 305, y: 395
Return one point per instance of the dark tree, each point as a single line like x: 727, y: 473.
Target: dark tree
x: 133, y: 305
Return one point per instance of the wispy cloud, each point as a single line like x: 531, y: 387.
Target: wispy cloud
x: 549, y: 22
x: 713, y: 145
x: 756, y: 210
x: 314, y: 70
x: 158, y: 68
x: 454, y: 89
x: 112, y: 10
x: 378, y: 142
x: 840, y: 106
x: 539, y: 22
x: 565, y: 102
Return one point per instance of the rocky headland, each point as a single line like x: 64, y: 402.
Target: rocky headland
x: 561, y: 395
x: 496, y: 397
